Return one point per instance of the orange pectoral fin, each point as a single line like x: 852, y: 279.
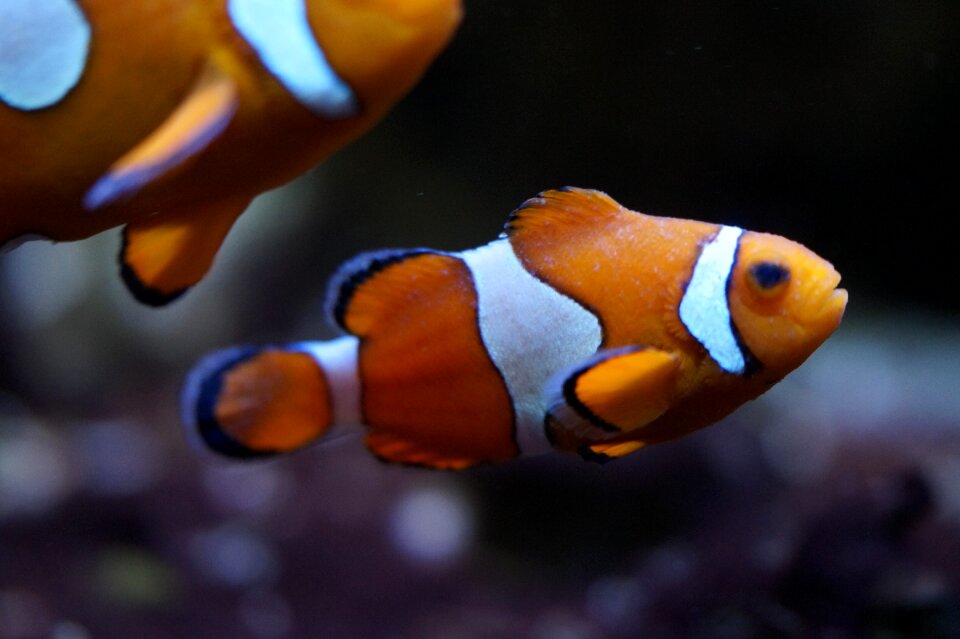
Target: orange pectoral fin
x: 199, y: 119
x: 163, y: 256
x: 612, y: 450
x: 618, y: 391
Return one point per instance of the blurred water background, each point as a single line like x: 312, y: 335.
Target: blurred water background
x: 829, y: 508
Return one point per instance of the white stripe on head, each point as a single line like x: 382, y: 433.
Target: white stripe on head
x: 338, y: 359
x: 43, y: 51
x: 530, y: 332
x: 704, y: 309
x: 279, y: 31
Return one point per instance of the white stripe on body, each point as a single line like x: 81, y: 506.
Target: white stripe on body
x: 43, y: 51
x: 280, y: 33
x: 530, y: 331
x: 338, y: 359
x: 704, y: 309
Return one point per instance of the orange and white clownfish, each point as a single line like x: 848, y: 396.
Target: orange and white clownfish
x: 169, y: 116
x: 585, y: 327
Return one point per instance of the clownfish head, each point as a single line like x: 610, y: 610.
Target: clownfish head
x: 784, y: 301
x: 382, y: 47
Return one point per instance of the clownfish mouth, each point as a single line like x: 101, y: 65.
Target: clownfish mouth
x: 836, y: 304
x: 824, y: 303
x: 829, y: 309
x: 836, y: 299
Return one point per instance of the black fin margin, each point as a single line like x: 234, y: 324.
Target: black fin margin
x: 590, y: 455
x: 569, y: 388
x: 353, y: 273
x: 540, y: 200
x: 204, y: 410
x: 537, y: 201
x: 140, y: 291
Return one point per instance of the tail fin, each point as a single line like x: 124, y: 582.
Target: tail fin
x: 255, y: 402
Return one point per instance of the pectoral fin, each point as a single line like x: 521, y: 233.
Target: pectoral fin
x: 164, y: 255
x: 200, y: 118
x: 614, y: 393
x: 603, y: 453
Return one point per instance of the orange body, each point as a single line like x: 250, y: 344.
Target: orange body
x: 588, y: 328
x: 146, y: 59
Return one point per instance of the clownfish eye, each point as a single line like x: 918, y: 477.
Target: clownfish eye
x: 768, y: 278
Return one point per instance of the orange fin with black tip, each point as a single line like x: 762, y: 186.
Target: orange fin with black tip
x: 352, y: 277
x: 569, y: 207
x: 609, y: 451
x: 431, y: 394
x: 250, y: 402
x: 164, y: 255
x: 616, y: 392
x: 201, y: 117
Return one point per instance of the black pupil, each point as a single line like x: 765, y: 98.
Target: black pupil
x: 769, y: 274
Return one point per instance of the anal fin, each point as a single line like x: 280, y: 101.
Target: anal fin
x: 164, y: 255
x: 200, y: 118
x: 396, y: 449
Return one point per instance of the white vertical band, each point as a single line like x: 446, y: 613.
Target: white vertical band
x: 704, y: 309
x: 530, y: 331
x: 338, y: 359
x: 279, y: 31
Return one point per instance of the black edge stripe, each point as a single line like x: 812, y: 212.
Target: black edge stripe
x: 205, y: 412
x: 589, y: 454
x: 538, y: 201
x: 569, y: 388
x: 140, y: 291
x: 358, y: 271
x: 493, y: 364
x: 751, y: 365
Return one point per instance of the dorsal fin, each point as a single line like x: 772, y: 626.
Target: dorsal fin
x: 568, y: 207
x: 365, y: 277
x: 606, y: 257
x: 431, y: 395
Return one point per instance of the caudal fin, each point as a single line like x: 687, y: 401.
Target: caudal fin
x: 255, y: 402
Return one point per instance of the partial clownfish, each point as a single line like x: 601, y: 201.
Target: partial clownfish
x: 169, y: 116
x: 586, y: 327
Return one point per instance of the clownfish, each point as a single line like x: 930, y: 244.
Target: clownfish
x: 170, y: 116
x: 585, y: 327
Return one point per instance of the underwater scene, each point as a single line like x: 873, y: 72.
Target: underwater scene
x: 561, y: 439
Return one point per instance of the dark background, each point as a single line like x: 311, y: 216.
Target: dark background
x: 827, y: 509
